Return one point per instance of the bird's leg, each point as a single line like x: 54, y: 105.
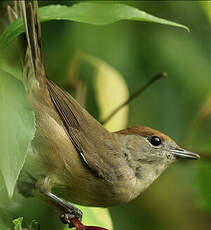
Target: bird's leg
x: 68, y: 211
x: 69, y: 214
x: 40, y: 188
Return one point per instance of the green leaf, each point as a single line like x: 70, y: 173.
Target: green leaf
x: 87, y: 12
x: 17, y: 125
x: 5, y: 217
x: 18, y: 223
x: 10, y: 69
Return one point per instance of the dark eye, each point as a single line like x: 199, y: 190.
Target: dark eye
x: 155, y: 140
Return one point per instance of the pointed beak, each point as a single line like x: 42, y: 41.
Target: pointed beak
x: 184, y: 154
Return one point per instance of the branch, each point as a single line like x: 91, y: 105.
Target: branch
x: 134, y: 95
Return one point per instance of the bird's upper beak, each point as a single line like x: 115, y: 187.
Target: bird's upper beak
x: 184, y: 154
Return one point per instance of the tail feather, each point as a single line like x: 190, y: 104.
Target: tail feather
x: 34, y: 72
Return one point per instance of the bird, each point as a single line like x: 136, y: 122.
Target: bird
x: 72, y: 156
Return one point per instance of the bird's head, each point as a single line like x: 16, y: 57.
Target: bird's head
x: 149, y: 152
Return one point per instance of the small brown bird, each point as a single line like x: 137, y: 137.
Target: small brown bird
x: 72, y: 156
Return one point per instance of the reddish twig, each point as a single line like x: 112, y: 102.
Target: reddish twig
x: 79, y: 226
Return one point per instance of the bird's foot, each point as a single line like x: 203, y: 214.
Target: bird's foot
x: 70, y: 214
x: 73, y: 213
x: 73, y: 221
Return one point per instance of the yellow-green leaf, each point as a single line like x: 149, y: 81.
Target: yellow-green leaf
x: 110, y: 89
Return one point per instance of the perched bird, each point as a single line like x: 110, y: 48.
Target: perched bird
x: 72, y: 156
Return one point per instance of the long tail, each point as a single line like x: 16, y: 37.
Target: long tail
x: 34, y: 72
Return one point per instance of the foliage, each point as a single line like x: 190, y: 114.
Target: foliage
x: 87, y: 12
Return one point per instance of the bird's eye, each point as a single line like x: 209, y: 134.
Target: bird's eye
x: 155, y: 140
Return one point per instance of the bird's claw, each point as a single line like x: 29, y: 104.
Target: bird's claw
x: 73, y: 213
x: 73, y: 221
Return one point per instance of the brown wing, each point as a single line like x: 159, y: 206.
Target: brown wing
x: 88, y: 136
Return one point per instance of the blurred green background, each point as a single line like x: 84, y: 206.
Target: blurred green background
x: 179, y: 106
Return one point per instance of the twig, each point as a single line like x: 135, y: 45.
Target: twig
x: 134, y: 95
x: 80, y: 226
